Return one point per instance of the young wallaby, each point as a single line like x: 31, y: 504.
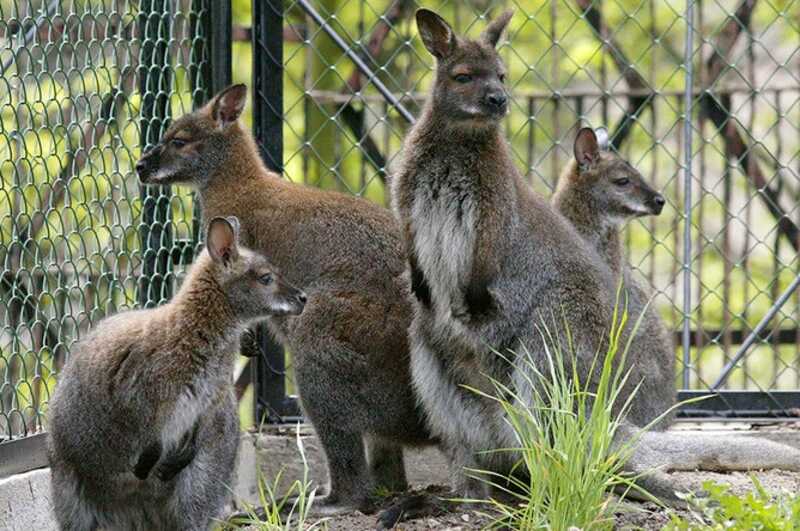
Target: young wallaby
x: 598, y: 192
x: 490, y: 261
x: 350, y: 345
x: 143, y: 425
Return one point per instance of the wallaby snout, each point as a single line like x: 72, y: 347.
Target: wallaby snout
x: 147, y: 164
x: 288, y: 300
x: 656, y: 204
x: 496, y: 100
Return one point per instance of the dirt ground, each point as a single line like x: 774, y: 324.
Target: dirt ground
x: 635, y: 516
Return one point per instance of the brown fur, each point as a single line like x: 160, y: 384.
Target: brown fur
x: 350, y: 346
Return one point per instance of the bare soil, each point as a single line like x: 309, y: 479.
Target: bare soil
x: 634, y: 516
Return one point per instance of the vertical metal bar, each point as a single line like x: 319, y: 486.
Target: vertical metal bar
x: 268, y: 81
x: 271, y: 402
x: 220, y: 39
x: 155, y: 230
x: 687, y: 194
x: 211, y: 64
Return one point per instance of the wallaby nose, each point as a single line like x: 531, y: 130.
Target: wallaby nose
x: 658, y: 203
x: 140, y: 166
x: 302, y: 297
x: 497, y: 100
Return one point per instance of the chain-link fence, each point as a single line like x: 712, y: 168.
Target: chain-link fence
x: 620, y: 63
x: 85, y: 85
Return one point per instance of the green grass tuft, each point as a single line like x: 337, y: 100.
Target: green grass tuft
x: 565, y: 440
x: 289, y: 512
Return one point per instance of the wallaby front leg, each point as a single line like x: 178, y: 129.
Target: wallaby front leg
x: 180, y: 457
x: 248, y: 346
x: 147, y: 460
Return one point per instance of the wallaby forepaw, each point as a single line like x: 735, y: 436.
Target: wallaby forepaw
x: 147, y: 460
x: 167, y: 472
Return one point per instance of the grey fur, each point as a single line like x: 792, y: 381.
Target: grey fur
x: 598, y: 199
x: 526, y: 265
x: 144, y: 379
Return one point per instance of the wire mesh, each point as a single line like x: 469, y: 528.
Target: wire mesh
x: 619, y: 63
x: 83, y: 84
x: 87, y: 84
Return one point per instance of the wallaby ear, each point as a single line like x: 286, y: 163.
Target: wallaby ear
x: 222, y: 240
x: 491, y: 35
x: 229, y: 104
x: 601, y: 133
x: 436, y: 33
x: 586, y: 150
x: 234, y: 221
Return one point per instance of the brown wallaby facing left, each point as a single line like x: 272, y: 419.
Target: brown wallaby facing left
x: 143, y: 425
x: 350, y: 345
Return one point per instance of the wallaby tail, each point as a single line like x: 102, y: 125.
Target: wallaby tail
x: 720, y: 452
x: 659, y: 452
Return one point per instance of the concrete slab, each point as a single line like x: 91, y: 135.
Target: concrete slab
x: 25, y: 502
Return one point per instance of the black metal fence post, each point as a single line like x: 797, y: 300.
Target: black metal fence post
x: 271, y: 402
x: 214, y: 24
x: 155, y: 232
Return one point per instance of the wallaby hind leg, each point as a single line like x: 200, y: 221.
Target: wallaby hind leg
x: 350, y: 484
x: 386, y: 464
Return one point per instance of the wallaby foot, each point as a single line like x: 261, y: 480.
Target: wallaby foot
x: 350, y: 482
x: 430, y: 502
x: 386, y: 465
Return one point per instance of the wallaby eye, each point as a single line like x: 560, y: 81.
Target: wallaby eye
x: 266, y: 279
x: 178, y: 142
x: 463, y: 78
x: 502, y: 78
x: 624, y: 181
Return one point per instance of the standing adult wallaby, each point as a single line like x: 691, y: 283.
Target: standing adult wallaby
x: 490, y: 260
x: 598, y: 192
x: 350, y: 346
x: 143, y: 425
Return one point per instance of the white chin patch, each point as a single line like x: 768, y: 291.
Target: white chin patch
x: 283, y: 307
x: 162, y: 174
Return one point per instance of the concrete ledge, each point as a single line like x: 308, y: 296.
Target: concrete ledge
x: 25, y: 502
